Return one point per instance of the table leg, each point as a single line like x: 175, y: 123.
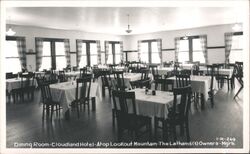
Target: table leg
x: 202, y: 102
x: 93, y: 103
x: 67, y: 115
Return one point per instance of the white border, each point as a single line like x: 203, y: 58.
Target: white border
x: 130, y: 3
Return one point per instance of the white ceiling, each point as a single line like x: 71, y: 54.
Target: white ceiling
x: 113, y: 20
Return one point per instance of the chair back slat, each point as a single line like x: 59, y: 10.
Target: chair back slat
x: 182, y: 80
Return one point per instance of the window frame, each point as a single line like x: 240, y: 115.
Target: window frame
x: 238, y: 49
x: 149, y: 42
x: 190, y: 46
x: 113, y: 43
x: 14, y: 38
x: 88, y: 54
x: 53, y: 49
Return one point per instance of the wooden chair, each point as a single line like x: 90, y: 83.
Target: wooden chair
x: 129, y: 120
x: 83, y: 71
x: 182, y: 80
x: 221, y: 78
x: 62, y: 77
x: 211, y: 89
x: 144, y: 81
x: 82, y: 96
x: 48, y: 103
x: 239, y: 76
x: 119, y: 79
x: 106, y: 81
x: 178, y: 114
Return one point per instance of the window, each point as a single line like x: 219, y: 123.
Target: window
x: 183, y: 54
x: 191, y: 50
x: 46, y: 60
x: 197, y: 51
x: 236, y: 53
x: 150, y: 52
x: 89, y: 53
x: 144, y: 52
x: 114, y: 52
x: 53, y: 54
x: 11, y: 56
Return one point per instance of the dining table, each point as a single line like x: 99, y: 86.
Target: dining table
x: 223, y: 71
x: 65, y: 92
x: 128, y: 77
x: 15, y: 83
x: 199, y: 84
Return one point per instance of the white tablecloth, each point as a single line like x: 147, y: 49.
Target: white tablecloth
x: 72, y: 74
x: 149, y: 105
x: 200, y: 84
x: 15, y: 83
x: 127, y: 78
x: 222, y: 71
x: 65, y: 93
x: 187, y: 66
x: 165, y: 70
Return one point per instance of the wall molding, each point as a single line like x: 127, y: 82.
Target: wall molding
x: 216, y: 47
x: 170, y: 49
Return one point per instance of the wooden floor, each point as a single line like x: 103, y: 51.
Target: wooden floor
x: 25, y: 125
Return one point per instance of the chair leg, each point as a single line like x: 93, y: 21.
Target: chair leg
x: 187, y: 132
x: 52, y: 110
x: 113, y: 117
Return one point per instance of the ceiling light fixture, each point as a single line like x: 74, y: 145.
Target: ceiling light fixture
x: 128, y: 30
x: 236, y: 27
x: 185, y: 37
x: 10, y: 32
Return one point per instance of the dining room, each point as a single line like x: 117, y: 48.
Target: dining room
x: 152, y: 77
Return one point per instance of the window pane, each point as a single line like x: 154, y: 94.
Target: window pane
x: 84, y: 49
x: 14, y: 63
x: 11, y: 49
x: 117, y: 58
x: 144, y: 47
x: 60, y: 62
x: 60, y: 50
x: 183, y: 56
x: 117, y: 48
x: 197, y: 44
x: 93, y: 48
x: 237, y: 42
x: 155, y: 58
x: 235, y: 55
x: 110, y: 59
x: 184, y: 45
x: 110, y: 49
x: 144, y: 57
x: 83, y: 61
x: 198, y: 56
x: 46, y: 49
x: 154, y: 47
x: 93, y: 60
x: 46, y: 63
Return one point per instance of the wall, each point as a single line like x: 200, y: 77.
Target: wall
x: 215, y: 37
x: 31, y: 32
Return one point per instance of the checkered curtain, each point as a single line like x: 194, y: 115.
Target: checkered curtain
x: 177, y: 47
x: 78, y: 51
x: 99, y: 58
x: 228, y: 45
x: 159, y: 46
x: 106, y: 43
x: 121, y: 48
x: 203, y: 40
x: 39, y: 52
x: 21, y: 47
x: 67, y: 51
x: 139, y: 49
